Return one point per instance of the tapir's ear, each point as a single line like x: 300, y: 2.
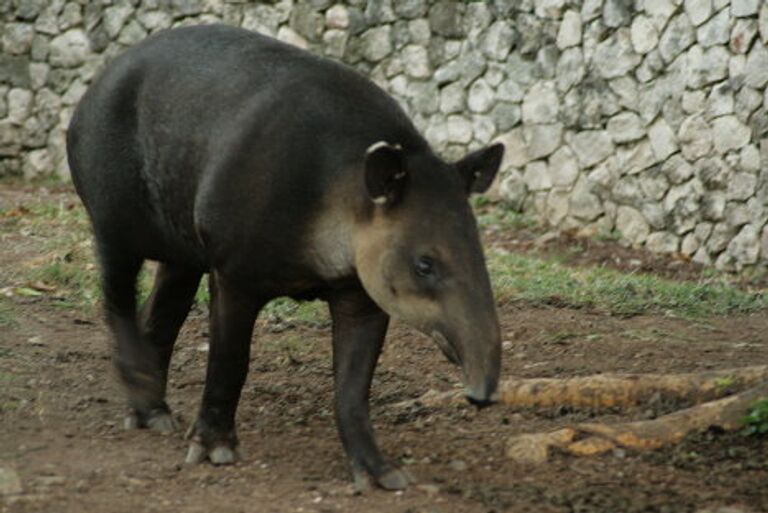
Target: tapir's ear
x: 385, y: 173
x: 479, y: 168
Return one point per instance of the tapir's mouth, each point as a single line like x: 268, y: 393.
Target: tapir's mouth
x: 446, y: 347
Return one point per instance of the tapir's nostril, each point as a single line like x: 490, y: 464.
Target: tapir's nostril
x: 480, y: 403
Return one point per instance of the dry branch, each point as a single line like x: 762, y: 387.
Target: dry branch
x: 588, y: 439
x: 611, y: 390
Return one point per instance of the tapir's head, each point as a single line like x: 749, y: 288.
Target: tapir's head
x: 419, y: 257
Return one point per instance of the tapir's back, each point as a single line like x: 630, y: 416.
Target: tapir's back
x: 218, y: 110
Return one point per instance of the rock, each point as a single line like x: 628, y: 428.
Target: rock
x: 483, y: 128
x: 741, y: 186
x: 425, y: 98
x: 741, y: 8
x: 306, y: 22
x: 536, y: 177
x: 604, y: 176
x: 337, y: 17
x: 416, y: 61
x: 377, y: 43
x: 335, y: 43
x: 584, y: 204
x: 695, y: 137
x: 10, y: 483
x: 591, y: 146
x: 10, y: 139
x: 748, y: 100
x: 762, y: 25
x: 549, y: 8
x: 115, y: 17
x: 19, y: 105
x: 756, y: 68
x: 749, y: 159
x: 131, y: 34
x: 419, y: 32
x: 741, y: 251
x: 71, y: 16
x: 410, y: 9
x: 617, y: 13
x: 627, y: 191
x: 626, y: 127
x: 445, y: 19
x: 512, y: 188
x: 651, y: 66
x: 541, y: 104
x: 37, y: 163
x: 662, y: 242
x: 481, y: 96
x: 557, y: 206
x: 542, y: 140
x: 569, y: 33
x: 644, y: 34
x: 681, y: 205
x: 716, y: 31
x: 720, y: 237
x: 156, y: 20
x: 654, y: 184
x: 516, y: 150
x: 14, y: 70
x: 676, y: 38
x: 720, y: 101
x: 498, y: 40
x: 698, y: 11
x: 261, y: 18
x: 570, y: 69
x: 505, y: 115
x: 706, y: 66
x: 663, y: 139
x: 69, y: 49
x: 591, y: 9
x: 676, y: 169
x: 713, y: 172
x: 615, y: 56
x: 288, y: 35
x: 452, y: 98
x: 563, y: 167
x: 459, y: 129
x: 632, y: 225
x: 17, y: 38
x: 546, y: 61
x: 742, y: 35
x: 729, y: 134
x: 38, y: 74
x: 660, y: 11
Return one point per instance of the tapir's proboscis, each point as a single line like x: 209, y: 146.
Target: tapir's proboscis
x: 217, y: 150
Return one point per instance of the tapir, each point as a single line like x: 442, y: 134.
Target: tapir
x: 216, y: 150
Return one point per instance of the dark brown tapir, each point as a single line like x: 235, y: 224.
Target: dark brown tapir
x: 216, y: 150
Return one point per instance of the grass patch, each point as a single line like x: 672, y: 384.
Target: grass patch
x: 756, y: 420
x: 546, y: 281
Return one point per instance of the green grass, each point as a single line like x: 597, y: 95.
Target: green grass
x: 545, y: 281
x: 67, y: 263
x: 756, y: 420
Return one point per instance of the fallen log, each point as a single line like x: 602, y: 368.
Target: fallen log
x: 591, y: 438
x: 610, y: 390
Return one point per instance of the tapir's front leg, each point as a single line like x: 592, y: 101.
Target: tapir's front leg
x: 359, y: 327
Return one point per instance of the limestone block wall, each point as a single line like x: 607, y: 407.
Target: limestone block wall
x: 644, y: 118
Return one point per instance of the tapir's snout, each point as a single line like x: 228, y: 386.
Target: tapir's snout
x: 483, y: 396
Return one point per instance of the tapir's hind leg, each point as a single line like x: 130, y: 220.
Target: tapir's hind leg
x: 213, y: 434
x: 160, y: 319
x: 135, y: 359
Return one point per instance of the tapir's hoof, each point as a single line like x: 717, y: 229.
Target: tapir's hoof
x: 394, y: 479
x: 218, y: 455
x: 159, y: 420
x: 205, y: 446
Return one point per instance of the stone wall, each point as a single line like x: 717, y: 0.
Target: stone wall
x: 644, y: 118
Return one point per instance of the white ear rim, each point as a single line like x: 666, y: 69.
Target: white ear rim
x: 381, y: 144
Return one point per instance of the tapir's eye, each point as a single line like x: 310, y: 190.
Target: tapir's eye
x: 424, y: 266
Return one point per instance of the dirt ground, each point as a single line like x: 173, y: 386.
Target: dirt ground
x: 61, y: 413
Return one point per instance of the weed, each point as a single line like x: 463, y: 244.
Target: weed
x: 756, y: 420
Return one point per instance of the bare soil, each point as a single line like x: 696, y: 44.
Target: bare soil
x: 61, y: 413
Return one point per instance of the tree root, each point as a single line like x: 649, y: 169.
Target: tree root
x: 709, y: 391
x: 610, y: 390
x: 590, y: 438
